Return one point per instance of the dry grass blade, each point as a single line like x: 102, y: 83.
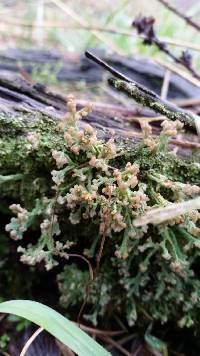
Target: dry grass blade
x: 157, y: 216
x: 49, y: 24
x: 187, y: 102
x: 63, y: 6
x: 177, y: 70
x: 30, y: 341
x: 165, y: 85
x: 179, y: 13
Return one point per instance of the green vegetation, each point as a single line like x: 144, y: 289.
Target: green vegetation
x: 107, y: 233
x: 63, y: 329
x: 85, y: 200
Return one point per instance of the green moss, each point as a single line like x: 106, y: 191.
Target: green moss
x: 176, y: 168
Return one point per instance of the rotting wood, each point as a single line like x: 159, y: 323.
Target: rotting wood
x: 23, y: 100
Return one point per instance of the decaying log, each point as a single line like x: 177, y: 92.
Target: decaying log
x: 23, y: 100
x: 71, y: 68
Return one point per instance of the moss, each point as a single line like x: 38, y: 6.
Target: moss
x: 10, y: 126
x: 176, y: 168
x: 14, y: 147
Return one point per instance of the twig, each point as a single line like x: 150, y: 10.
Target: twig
x: 110, y: 108
x: 187, y: 102
x: 37, y: 31
x: 102, y: 243
x: 2, y: 317
x: 185, y: 144
x: 146, y: 97
x: 184, y: 17
x: 106, y: 66
x: 116, y: 345
x: 100, y: 332
x: 124, y: 340
x: 85, y: 300
x: 174, y: 141
x: 99, y: 255
x: 145, y: 26
x: 137, y: 352
x: 30, y: 341
x: 151, y: 100
x: 64, y: 350
x: 88, y: 284
x: 86, y: 260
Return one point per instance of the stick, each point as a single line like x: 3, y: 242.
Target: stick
x: 116, y: 345
x: 107, y: 67
x: 151, y: 100
x: 146, y: 97
x: 176, y: 11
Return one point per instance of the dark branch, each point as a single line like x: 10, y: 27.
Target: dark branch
x: 107, y: 67
x: 145, y: 27
x: 146, y: 97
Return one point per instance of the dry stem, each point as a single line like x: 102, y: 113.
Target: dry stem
x: 177, y: 12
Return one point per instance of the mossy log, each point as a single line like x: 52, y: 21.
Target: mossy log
x: 51, y: 66
x: 27, y: 108
x: 22, y: 102
x: 29, y: 111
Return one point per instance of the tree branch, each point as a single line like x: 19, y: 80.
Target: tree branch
x: 151, y: 100
x: 145, y: 26
x: 146, y: 97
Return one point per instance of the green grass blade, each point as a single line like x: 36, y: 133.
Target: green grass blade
x: 56, y: 324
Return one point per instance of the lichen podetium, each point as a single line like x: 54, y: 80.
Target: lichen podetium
x: 85, y: 191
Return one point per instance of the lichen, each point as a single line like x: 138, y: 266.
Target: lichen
x: 149, y: 99
x: 86, y: 194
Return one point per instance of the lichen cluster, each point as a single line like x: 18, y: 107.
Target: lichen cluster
x: 87, y: 199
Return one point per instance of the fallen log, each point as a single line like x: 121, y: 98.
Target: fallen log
x: 30, y: 141
x: 25, y: 101
x: 55, y: 65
